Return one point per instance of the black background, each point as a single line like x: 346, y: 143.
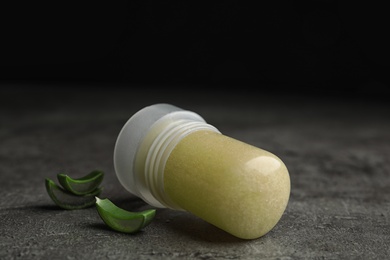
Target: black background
x: 315, y: 47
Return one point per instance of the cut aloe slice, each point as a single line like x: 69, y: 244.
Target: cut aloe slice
x: 67, y: 200
x: 83, y: 185
x: 122, y: 220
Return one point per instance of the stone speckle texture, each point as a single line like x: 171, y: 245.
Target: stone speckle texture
x: 336, y: 149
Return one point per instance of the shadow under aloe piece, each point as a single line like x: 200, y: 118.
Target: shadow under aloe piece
x: 67, y: 200
x: 122, y: 220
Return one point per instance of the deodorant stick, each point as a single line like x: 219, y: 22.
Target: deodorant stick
x: 172, y: 158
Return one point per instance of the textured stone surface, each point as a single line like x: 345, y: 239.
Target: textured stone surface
x: 337, y: 152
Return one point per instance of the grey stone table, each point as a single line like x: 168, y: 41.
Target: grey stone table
x: 336, y: 149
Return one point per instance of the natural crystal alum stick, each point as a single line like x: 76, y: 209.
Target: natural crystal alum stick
x: 172, y: 158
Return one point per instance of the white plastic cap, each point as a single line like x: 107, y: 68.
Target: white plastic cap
x: 146, y: 123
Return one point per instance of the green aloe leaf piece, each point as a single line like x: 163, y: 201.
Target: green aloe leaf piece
x: 122, y: 220
x: 67, y: 200
x: 83, y: 185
